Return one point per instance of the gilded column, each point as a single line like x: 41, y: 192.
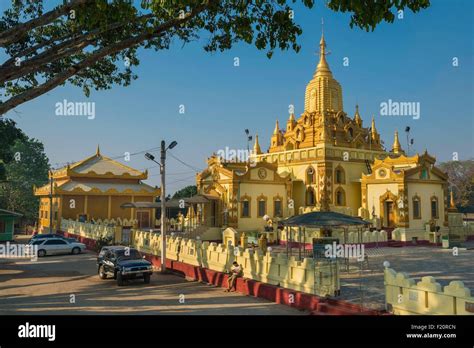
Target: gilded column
x: 232, y: 209
x: 445, y: 204
x: 364, y: 196
x: 402, y: 205
x: 109, y: 208
x: 86, y: 202
x: 325, y: 185
x: 60, y: 210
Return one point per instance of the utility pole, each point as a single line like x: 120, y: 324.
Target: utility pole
x: 51, y: 201
x: 163, y: 207
x: 163, y: 198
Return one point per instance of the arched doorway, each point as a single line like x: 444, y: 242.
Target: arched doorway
x: 388, y: 208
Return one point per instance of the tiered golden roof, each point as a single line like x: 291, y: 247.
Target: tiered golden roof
x: 323, y: 119
x: 98, y: 174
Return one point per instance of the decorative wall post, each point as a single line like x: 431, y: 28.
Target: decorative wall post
x: 325, y: 185
x: 402, y: 204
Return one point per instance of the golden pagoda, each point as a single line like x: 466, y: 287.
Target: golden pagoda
x: 326, y: 160
x: 323, y: 120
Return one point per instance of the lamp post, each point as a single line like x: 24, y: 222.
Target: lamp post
x: 51, y: 201
x: 407, y: 130
x: 163, y: 197
x: 249, y: 139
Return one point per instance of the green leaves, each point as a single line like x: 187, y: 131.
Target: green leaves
x: 368, y: 14
x: 186, y: 192
x: 28, y: 166
x: 43, y: 44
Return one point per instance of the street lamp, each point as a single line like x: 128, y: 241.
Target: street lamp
x: 249, y: 139
x: 407, y: 130
x: 150, y: 157
x: 51, y: 201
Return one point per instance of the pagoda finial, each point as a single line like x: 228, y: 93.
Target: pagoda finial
x: 256, y: 148
x: 97, y: 153
x: 277, y: 128
x: 322, y: 31
x: 451, y: 199
x: 357, y: 117
x: 396, y: 147
x: 372, y: 127
x: 323, y: 67
x: 452, y: 206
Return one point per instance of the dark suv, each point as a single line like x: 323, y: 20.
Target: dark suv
x: 122, y: 263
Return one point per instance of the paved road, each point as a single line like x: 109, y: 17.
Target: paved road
x: 46, y: 286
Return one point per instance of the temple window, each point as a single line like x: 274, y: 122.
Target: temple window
x: 340, y: 175
x: 434, y: 207
x: 416, y: 207
x: 351, y: 132
x: 245, y: 207
x: 310, y: 197
x: 340, y: 197
x: 277, y: 208
x: 262, y: 206
x: 310, y: 177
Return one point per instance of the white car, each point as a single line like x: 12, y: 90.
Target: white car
x: 56, y: 246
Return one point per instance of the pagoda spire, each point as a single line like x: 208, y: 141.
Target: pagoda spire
x: 373, y: 129
x: 256, y: 147
x: 292, y: 117
x: 323, y: 67
x: 357, y: 117
x: 396, y: 147
x: 277, y: 128
x: 97, y: 152
x: 452, y: 206
x: 290, y: 124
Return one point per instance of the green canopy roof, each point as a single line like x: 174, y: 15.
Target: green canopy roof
x: 324, y: 219
x: 9, y: 213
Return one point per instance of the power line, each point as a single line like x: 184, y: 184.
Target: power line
x: 185, y: 164
x: 182, y: 173
x: 181, y: 180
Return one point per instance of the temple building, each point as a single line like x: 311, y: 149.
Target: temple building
x: 327, y: 160
x: 93, y: 189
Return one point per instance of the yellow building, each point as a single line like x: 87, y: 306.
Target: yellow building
x: 408, y: 193
x: 242, y: 194
x: 94, y: 189
x: 326, y: 160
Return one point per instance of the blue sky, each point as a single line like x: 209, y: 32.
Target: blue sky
x: 409, y: 60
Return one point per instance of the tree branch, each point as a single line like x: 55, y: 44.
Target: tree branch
x: 14, y: 34
x: 96, y: 56
x: 11, y: 71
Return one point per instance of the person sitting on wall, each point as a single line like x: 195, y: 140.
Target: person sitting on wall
x: 235, y: 272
